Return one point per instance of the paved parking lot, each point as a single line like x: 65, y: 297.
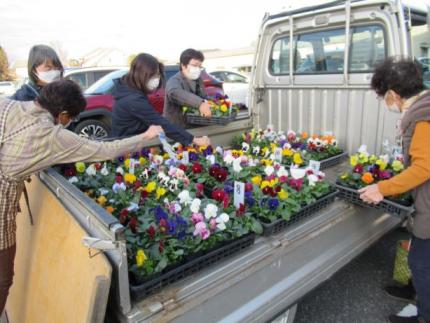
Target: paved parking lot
x: 354, y: 294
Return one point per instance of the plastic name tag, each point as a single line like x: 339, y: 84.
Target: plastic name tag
x: 239, y: 194
x: 131, y: 168
x: 314, y: 165
x: 185, y: 158
x: 166, y: 146
x: 278, y: 154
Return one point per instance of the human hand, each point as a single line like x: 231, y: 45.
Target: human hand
x: 201, y: 141
x: 371, y: 194
x: 205, y: 109
x: 152, y: 132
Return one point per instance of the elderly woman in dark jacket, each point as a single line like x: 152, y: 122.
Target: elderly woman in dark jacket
x: 132, y: 111
x: 44, y: 67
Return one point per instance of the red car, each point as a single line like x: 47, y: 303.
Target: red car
x: 95, y: 122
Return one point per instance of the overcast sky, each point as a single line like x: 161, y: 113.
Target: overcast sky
x: 162, y: 27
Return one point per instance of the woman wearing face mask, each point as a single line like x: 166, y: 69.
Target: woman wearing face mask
x: 44, y: 67
x: 400, y: 84
x: 132, y: 113
x: 186, y: 88
x: 32, y: 138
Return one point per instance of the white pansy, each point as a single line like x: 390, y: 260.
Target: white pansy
x: 282, y: 172
x: 103, y: 191
x: 287, y: 145
x: 104, y: 170
x: 236, y: 165
x: 184, y: 197
x: 385, y: 158
x: 211, y: 211
x: 211, y: 159
x: 144, y: 174
x: 219, y: 150
x: 91, y: 170
x: 245, y: 147
x: 256, y: 150
x: 177, y: 207
x: 312, y: 179
x: 133, y: 207
x: 157, y: 159
x: 119, y: 170
x: 228, y: 159
x: 269, y: 170
x: 363, y: 150
x: 195, y: 205
x: 222, y: 220
x: 297, y: 173
x: 73, y: 179
x: 118, y: 186
x: 173, y: 185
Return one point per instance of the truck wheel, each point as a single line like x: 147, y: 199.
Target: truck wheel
x: 92, y: 129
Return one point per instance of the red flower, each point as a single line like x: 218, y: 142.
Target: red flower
x: 218, y: 195
x: 296, y: 183
x: 133, y: 224
x: 70, y: 172
x: 197, y: 168
x: 283, y: 179
x: 163, y: 226
x: 118, y: 178
x: 241, y: 210
x: 248, y: 187
x: 226, y: 201
x: 144, y: 194
x: 161, y: 245
x: 199, y: 187
x: 273, y: 193
x: 137, y: 184
x: 183, y: 167
x: 151, y: 232
x: 278, y: 189
x: 98, y: 166
x: 213, y: 171
x: 267, y: 190
x: 221, y: 176
x: 123, y: 216
x: 358, y: 169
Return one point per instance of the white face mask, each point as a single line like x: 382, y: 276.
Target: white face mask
x: 194, y: 72
x: 153, y: 83
x: 49, y: 76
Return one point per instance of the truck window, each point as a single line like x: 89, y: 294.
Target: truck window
x: 367, y: 48
x: 323, y: 52
x: 421, y: 47
x: 320, y: 52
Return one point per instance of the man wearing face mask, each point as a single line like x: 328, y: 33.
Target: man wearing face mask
x: 400, y: 84
x: 186, y: 88
x: 44, y: 67
x: 133, y: 113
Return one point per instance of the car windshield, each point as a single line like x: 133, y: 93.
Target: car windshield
x: 103, y: 85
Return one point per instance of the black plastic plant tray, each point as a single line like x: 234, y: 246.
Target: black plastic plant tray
x: 305, y: 212
x: 393, y: 208
x: 156, y: 282
x: 333, y: 161
x: 199, y: 120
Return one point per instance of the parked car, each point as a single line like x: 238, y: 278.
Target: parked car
x: 235, y: 85
x: 7, y: 88
x: 87, y: 76
x: 95, y: 121
x: 425, y: 61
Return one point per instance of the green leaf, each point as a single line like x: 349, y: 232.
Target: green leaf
x: 256, y: 226
x: 162, y: 264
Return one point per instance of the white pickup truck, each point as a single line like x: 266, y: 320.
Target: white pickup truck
x: 311, y: 73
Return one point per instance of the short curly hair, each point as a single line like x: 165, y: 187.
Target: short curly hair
x: 402, y: 75
x: 62, y: 95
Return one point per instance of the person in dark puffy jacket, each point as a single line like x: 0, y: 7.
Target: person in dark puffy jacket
x: 133, y: 113
x: 44, y: 66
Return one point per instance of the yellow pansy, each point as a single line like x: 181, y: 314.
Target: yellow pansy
x: 273, y: 182
x: 236, y: 152
x: 140, y: 258
x: 203, y: 148
x: 160, y: 192
x: 130, y: 178
x: 166, y: 156
x: 264, y: 151
x: 101, y: 200
x: 150, y: 187
x: 266, y: 162
x: 142, y: 161
x: 273, y: 147
x: 353, y: 160
x: 256, y: 180
x: 283, y: 195
x: 363, y: 158
x: 224, y: 108
x: 127, y: 163
x: 287, y: 152
x: 265, y: 184
x: 297, y: 159
x: 382, y: 164
x: 80, y: 167
x: 397, y: 166
x: 373, y: 159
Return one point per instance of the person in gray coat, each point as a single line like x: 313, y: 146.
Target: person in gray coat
x: 186, y: 88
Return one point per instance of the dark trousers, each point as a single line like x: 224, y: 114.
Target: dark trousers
x: 7, y: 257
x: 419, y: 263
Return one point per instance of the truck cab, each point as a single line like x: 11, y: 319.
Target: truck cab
x: 311, y: 72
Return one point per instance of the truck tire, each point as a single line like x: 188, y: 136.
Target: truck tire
x: 92, y: 129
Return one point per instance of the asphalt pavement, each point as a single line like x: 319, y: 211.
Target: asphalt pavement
x: 355, y: 293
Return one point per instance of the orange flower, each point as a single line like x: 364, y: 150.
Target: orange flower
x: 305, y: 135
x: 367, y: 178
x: 109, y: 209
